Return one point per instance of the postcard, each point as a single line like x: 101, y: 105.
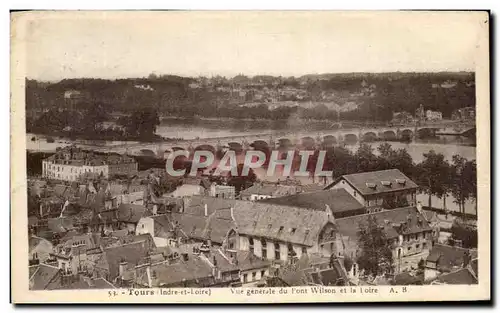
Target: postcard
x: 250, y: 156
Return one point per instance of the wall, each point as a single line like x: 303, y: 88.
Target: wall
x: 344, y: 184
x: 188, y: 190
x: 145, y: 226
x: 123, y: 169
x: 249, y: 274
x: 68, y: 172
x: 254, y: 197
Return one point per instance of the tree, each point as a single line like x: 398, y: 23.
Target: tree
x: 94, y: 116
x: 463, y: 180
x: 376, y: 254
x: 366, y: 160
x: 142, y: 123
x: 432, y: 175
x: 466, y: 234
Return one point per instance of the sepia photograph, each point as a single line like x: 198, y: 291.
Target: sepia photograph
x: 251, y: 156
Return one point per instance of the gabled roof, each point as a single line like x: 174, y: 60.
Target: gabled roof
x: 196, y: 204
x: 462, y: 276
x: 131, y: 253
x: 377, y: 179
x: 392, y: 220
x: 449, y: 257
x: 192, y: 270
x: 274, y: 190
x: 279, y: 222
x: 338, y: 200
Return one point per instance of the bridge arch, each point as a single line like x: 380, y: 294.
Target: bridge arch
x: 330, y: 139
x: 389, y: 135
x: 426, y: 132
x: 205, y: 147
x: 235, y: 146
x: 308, y: 142
x: 350, y: 138
x: 259, y: 144
x: 370, y: 136
x: 147, y: 152
x: 406, y: 134
x: 284, y: 143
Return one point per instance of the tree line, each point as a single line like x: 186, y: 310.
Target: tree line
x: 171, y: 95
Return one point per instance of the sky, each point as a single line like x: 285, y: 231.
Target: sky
x: 134, y: 44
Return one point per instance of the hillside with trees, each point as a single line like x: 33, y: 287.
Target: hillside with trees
x: 173, y: 95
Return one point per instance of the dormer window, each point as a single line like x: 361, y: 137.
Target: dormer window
x: 401, y: 181
x: 292, y: 231
x: 280, y: 230
x: 386, y: 183
x: 371, y: 185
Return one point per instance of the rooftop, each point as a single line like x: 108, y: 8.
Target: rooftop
x: 284, y: 223
x: 273, y: 190
x: 407, y: 220
x: 338, y: 200
x: 368, y: 183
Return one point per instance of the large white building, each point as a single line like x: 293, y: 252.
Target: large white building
x: 74, y: 164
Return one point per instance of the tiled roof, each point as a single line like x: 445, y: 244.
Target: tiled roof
x: 196, y: 204
x: 391, y: 219
x: 247, y: 261
x: 339, y: 200
x: 130, y: 213
x: 274, y: 190
x: 130, y: 253
x: 460, y: 277
x: 194, y: 269
x: 60, y: 224
x: 449, y: 257
x: 283, y: 223
x: 359, y: 181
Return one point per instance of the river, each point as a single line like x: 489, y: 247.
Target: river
x: 192, y: 129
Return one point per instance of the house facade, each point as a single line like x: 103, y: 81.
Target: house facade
x: 408, y: 233
x: 278, y: 233
x: 379, y: 190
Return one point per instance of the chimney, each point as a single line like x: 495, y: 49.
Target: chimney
x: 155, y: 209
x: 206, y: 209
x: 215, y: 270
x: 122, y: 268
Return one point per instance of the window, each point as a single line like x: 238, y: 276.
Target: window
x: 409, y: 248
x: 424, y: 245
x: 277, y: 255
x: 250, y: 241
x: 264, y: 249
x: 245, y: 278
x: 280, y: 230
x: 262, y: 273
x: 304, y: 250
x: 417, y: 246
x: 293, y: 231
x: 354, y: 268
x: 254, y: 276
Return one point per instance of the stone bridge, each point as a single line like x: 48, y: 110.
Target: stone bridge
x: 281, y: 140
